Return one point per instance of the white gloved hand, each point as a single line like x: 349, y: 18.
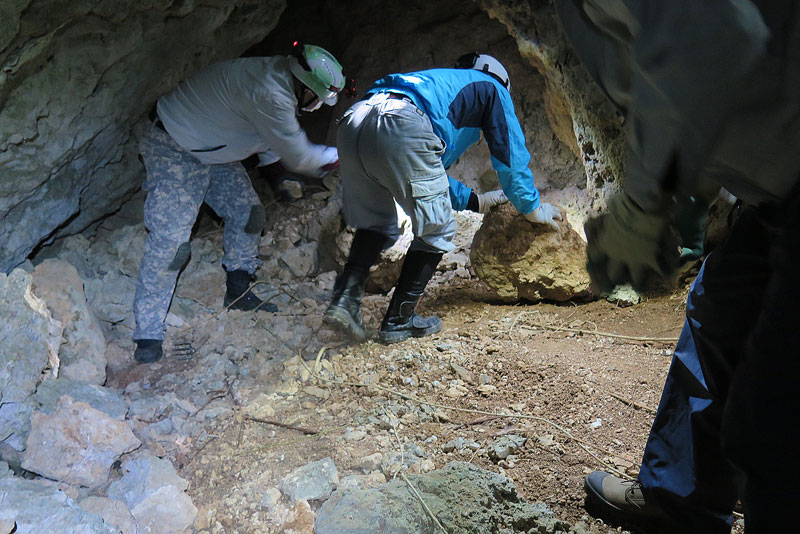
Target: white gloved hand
x: 332, y: 155
x: 492, y: 198
x: 545, y: 214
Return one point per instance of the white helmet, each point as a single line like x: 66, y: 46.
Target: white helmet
x: 318, y: 70
x: 485, y: 63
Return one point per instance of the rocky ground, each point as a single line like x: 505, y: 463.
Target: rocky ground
x: 273, y: 423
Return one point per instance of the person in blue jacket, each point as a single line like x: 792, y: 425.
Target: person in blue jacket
x: 395, y: 146
x: 719, y: 101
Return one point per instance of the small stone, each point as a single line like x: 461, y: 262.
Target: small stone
x: 270, y: 498
x: 370, y: 463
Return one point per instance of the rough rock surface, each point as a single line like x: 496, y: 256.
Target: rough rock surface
x: 113, y: 512
x: 524, y: 261
x: 579, y: 113
x: 83, y: 353
x: 76, y: 444
x: 450, y: 493
x: 36, y: 507
x: 150, y: 482
x: 29, y: 341
x: 313, y: 481
x: 29, y: 338
x: 144, y: 475
x: 153, y: 517
x: 106, y: 400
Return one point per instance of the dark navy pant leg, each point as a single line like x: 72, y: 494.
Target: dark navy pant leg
x: 761, y: 423
x: 684, y: 467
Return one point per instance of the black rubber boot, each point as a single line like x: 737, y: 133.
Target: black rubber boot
x: 344, y: 311
x: 238, y: 283
x: 148, y: 350
x: 400, y: 321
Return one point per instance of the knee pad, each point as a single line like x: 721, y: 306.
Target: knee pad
x: 257, y: 219
x: 181, y: 258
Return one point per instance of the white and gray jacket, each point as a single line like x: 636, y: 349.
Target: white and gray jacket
x: 233, y: 109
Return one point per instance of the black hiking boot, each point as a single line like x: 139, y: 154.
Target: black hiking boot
x: 344, y: 311
x: 148, y: 350
x: 400, y: 321
x: 238, y: 285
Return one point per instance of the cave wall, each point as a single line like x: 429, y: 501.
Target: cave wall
x: 580, y: 114
x: 77, y: 76
x: 373, y: 38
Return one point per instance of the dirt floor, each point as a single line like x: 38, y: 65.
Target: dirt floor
x: 580, y: 381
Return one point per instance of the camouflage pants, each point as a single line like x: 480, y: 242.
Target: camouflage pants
x: 177, y: 184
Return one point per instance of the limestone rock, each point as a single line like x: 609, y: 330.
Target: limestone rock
x: 82, y: 354
x: 113, y: 512
x: 144, y: 475
x: 111, y: 298
x: 313, y: 481
x: 301, y: 260
x: 15, y: 423
x: 450, y: 493
x: 299, y: 519
x: 76, y: 444
x: 29, y: 337
x: 155, y: 495
x: 36, y: 507
x: 167, y: 511
x: 520, y: 260
x: 106, y: 400
x: 203, y: 282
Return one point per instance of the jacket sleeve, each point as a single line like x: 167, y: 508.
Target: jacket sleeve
x: 514, y: 176
x: 682, y: 85
x: 274, y: 117
x: 459, y: 194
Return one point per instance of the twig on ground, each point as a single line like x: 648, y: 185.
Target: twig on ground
x: 282, y: 425
x: 399, y: 443
x: 533, y: 326
x: 217, y: 394
x: 424, y: 505
x: 629, y: 402
x: 477, y: 421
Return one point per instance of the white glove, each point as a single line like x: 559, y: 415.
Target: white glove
x: 332, y: 155
x: 545, y: 214
x: 492, y: 198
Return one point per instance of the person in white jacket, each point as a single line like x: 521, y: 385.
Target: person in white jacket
x: 192, y: 153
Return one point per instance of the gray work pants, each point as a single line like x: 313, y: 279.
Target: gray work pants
x: 388, y: 152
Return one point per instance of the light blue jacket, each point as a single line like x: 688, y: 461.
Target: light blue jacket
x: 462, y: 103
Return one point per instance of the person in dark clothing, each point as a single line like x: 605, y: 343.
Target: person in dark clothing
x: 711, y: 92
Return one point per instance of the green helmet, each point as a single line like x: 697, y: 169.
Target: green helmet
x: 318, y: 70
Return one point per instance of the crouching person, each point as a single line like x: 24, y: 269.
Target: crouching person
x: 192, y: 153
x: 395, y: 145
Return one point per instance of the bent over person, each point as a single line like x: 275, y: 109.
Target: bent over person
x: 395, y: 145
x: 192, y: 152
x: 712, y: 91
